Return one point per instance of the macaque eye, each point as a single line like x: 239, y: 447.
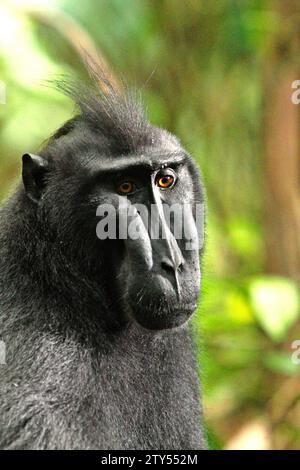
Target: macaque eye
x: 126, y: 187
x: 165, y: 179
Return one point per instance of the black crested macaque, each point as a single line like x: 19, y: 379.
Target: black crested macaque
x: 99, y: 352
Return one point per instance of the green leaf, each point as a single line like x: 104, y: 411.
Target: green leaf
x: 281, y: 363
x: 275, y: 302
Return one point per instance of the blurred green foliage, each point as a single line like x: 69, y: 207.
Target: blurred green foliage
x: 200, y: 67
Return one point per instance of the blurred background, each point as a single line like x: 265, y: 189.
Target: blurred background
x: 219, y: 74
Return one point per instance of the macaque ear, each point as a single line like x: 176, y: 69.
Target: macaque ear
x: 34, y: 173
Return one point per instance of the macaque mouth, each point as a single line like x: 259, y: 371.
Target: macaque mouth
x: 164, y: 317
x: 160, y: 303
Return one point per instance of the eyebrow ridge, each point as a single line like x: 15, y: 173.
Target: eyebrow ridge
x: 128, y: 164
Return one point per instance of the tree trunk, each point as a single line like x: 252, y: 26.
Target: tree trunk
x: 282, y: 163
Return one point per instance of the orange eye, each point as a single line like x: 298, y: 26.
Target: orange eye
x: 126, y: 188
x: 165, y: 179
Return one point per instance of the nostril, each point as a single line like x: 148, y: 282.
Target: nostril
x: 180, y: 267
x: 169, y: 266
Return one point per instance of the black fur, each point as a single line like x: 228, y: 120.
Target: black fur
x: 81, y: 373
